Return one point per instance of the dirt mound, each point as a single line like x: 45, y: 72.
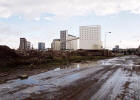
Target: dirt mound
x: 8, y: 57
x: 7, y: 53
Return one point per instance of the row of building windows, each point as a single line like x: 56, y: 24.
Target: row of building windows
x: 89, y: 29
x: 88, y: 35
x: 87, y: 32
x: 88, y: 39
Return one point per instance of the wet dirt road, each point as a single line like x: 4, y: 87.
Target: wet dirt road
x: 111, y: 79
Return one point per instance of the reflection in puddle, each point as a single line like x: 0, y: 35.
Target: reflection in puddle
x: 78, y: 66
x: 57, y: 69
x: 49, y: 81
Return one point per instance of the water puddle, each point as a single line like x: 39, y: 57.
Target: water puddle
x: 57, y: 78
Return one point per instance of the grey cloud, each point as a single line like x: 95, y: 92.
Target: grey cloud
x: 34, y: 8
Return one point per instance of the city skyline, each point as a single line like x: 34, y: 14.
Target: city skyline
x: 69, y: 49
x: 43, y: 23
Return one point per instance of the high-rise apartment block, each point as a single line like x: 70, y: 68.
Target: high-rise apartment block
x: 63, y: 39
x: 41, y: 46
x: 23, y: 44
x: 90, y: 37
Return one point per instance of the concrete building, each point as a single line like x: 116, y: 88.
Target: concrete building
x: 29, y: 47
x: 63, y: 39
x: 41, y: 46
x: 72, y: 43
x: 23, y: 44
x: 67, y: 41
x: 90, y: 37
x: 117, y: 47
x: 55, y: 44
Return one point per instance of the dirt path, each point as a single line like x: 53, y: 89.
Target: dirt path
x: 112, y: 79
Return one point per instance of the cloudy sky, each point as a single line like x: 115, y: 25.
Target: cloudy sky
x: 41, y: 20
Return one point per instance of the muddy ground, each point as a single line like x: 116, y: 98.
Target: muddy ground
x: 15, y: 73
x: 111, y: 79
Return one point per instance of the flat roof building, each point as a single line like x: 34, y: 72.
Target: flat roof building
x: 67, y: 41
x: 90, y: 37
x: 55, y: 44
x: 23, y: 44
x: 41, y: 46
x: 72, y: 43
x: 63, y: 39
x: 29, y: 45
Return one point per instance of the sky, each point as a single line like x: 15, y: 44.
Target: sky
x: 42, y: 20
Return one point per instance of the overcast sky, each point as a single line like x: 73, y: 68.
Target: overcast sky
x: 41, y: 20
